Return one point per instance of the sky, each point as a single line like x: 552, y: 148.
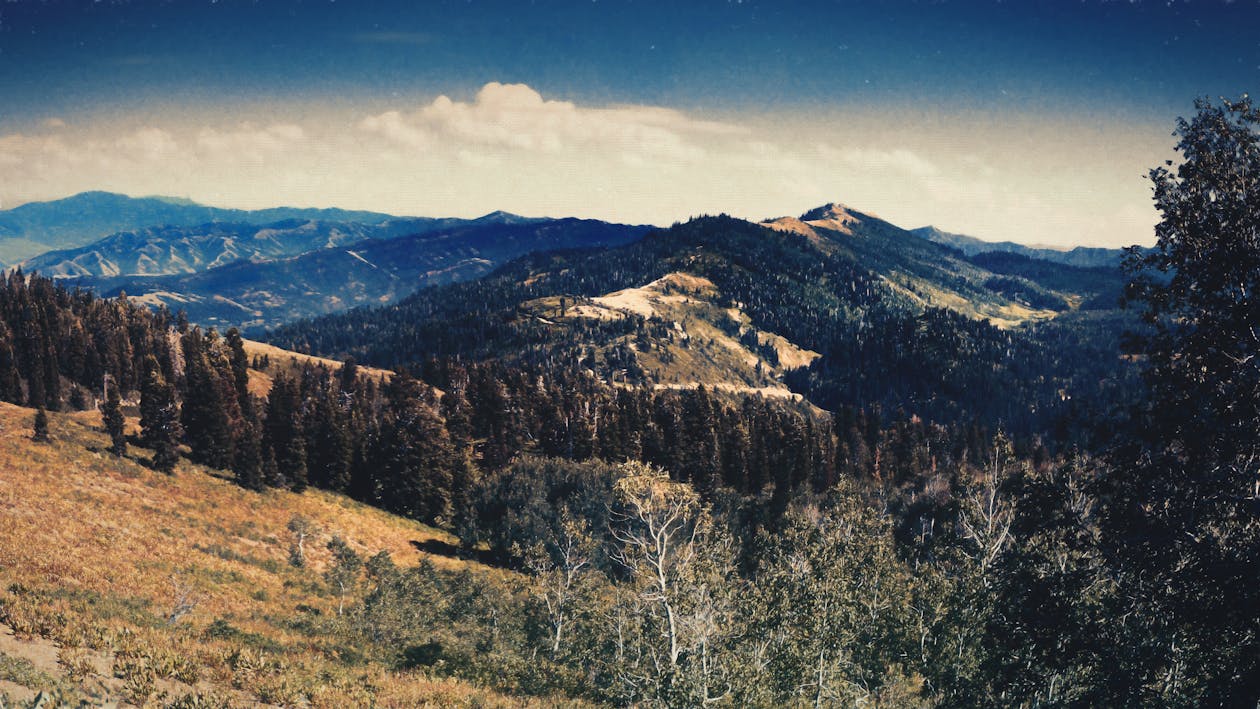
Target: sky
x: 1029, y: 121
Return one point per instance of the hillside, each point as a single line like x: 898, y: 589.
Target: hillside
x: 96, y: 552
x: 706, y: 343
x: 838, y: 306
x: 330, y: 277
x: 36, y: 227
x: 921, y: 272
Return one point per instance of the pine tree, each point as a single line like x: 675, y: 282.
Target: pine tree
x: 204, y: 416
x: 248, y: 463
x: 159, y: 418
x: 112, y: 416
x: 414, y: 455
x: 328, y: 440
x: 239, y: 362
x: 40, y: 426
x: 283, y: 436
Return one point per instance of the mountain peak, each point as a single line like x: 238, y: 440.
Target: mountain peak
x: 501, y: 217
x: 834, y: 217
x: 830, y: 211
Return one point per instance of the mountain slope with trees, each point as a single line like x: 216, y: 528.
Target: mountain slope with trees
x: 899, y: 323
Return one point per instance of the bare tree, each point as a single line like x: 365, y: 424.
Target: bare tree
x: 986, y: 515
x: 184, y: 600
x: 682, y: 590
x: 559, y: 568
x: 302, y: 528
x: 656, y: 525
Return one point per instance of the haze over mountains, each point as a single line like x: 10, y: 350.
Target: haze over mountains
x: 36, y: 227
x: 263, y: 268
x: 1085, y: 256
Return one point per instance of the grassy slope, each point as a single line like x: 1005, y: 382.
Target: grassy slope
x: 97, y: 545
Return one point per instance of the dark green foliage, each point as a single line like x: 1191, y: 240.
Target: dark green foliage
x: 1021, y: 290
x: 239, y: 362
x: 524, y: 504
x: 330, y: 450
x: 1181, y: 514
x: 159, y: 418
x: 414, y: 458
x: 209, y: 402
x: 39, y: 426
x: 112, y: 416
x: 49, y: 335
x: 1094, y: 282
x: 248, y: 464
x: 283, y: 437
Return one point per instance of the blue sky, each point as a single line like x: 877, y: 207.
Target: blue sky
x: 1025, y: 120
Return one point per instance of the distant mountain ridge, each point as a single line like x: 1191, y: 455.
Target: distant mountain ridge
x: 37, y: 227
x: 170, y: 250
x: 1081, y: 256
x: 372, y: 271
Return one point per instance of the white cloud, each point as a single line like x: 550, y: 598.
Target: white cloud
x: 509, y: 147
x: 516, y: 118
x: 248, y: 139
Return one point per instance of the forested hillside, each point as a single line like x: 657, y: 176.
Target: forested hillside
x: 885, y: 341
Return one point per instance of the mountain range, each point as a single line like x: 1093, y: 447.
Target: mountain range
x: 371, y: 271
x: 836, y: 307
x: 37, y: 227
x: 264, y: 268
x: 1083, y: 256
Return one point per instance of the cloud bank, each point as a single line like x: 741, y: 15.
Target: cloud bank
x: 508, y: 147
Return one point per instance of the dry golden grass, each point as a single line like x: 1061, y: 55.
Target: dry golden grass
x: 102, y: 549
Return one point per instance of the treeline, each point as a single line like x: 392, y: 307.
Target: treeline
x: 397, y: 443
x: 55, y: 344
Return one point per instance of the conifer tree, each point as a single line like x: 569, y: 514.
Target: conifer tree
x: 40, y: 426
x: 415, y: 458
x: 204, y: 415
x: 284, y: 440
x: 328, y: 441
x: 239, y: 362
x: 159, y: 418
x: 248, y: 463
x: 112, y: 416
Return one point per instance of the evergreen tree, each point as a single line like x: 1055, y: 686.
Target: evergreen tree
x: 249, y: 464
x: 1183, y: 496
x: 112, y: 416
x: 239, y: 362
x: 159, y: 418
x: 40, y: 426
x: 283, y: 439
x: 204, y: 416
x: 414, y: 455
x: 329, y: 446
